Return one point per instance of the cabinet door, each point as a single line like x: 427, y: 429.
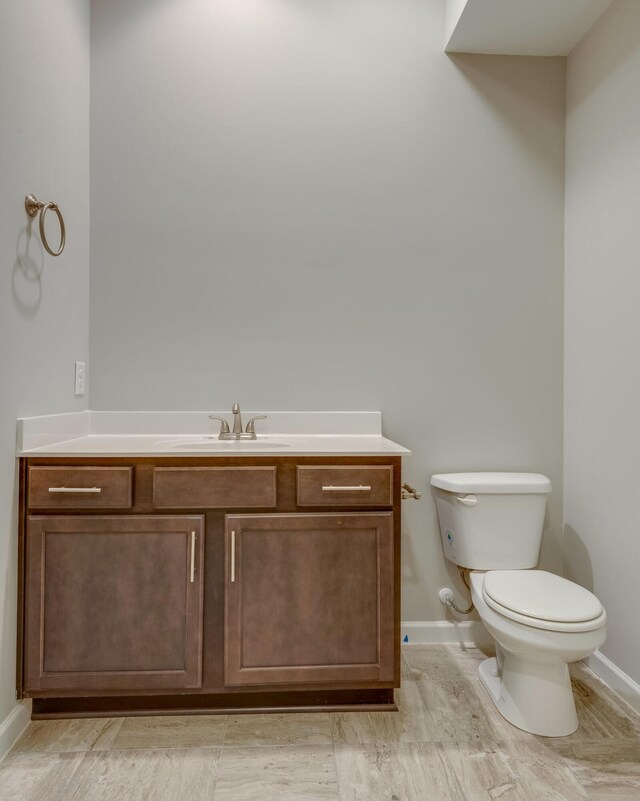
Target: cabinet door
x: 309, y: 598
x: 114, y: 603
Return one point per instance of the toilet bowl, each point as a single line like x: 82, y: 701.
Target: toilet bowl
x: 491, y: 524
x: 528, y: 679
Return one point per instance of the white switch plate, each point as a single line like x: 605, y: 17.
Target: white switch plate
x: 80, y: 373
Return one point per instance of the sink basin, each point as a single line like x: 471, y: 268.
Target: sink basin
x: 228, y: 445
x: 215, y: 444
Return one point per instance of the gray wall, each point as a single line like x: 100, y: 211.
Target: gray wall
x: 44, y: 302
x: 310, y: 206
x: 602, y: 288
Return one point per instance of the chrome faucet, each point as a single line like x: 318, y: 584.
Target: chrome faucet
x: 237, y: 419
x: 237, y: 433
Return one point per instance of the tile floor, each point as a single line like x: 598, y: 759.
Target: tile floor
x: 447, y: 743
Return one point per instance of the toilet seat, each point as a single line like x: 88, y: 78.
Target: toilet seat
x: 542, y: 600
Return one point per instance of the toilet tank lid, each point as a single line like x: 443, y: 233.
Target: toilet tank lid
x: 492, y: 482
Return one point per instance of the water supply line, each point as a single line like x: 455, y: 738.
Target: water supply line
x: 447, y: 598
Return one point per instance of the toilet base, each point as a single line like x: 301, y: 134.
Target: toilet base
x: 535, y: 698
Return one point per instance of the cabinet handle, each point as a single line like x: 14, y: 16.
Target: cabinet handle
x: 192, y: 567
x: 359, y: 488
x: 74, y: 489
x: 233, y: 556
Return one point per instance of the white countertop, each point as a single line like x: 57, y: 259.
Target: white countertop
x: 273, y: 445
x: 193, y: 434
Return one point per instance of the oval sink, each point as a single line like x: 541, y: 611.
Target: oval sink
x: 229, y: 445
x: 215, y: 444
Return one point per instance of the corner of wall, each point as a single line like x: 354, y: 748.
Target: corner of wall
x: 12, y: 727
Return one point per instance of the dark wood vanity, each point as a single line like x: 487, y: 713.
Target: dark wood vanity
x: 156, y: 585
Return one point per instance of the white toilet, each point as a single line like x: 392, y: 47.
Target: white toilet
x: 492, y: 524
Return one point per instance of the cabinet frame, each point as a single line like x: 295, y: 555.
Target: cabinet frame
x: 213, y: 695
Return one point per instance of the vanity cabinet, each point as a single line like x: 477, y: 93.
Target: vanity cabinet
x: 213, y: 583
x: 114, y: 602
x: 309, y: 598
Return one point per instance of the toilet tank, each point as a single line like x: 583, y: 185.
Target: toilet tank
x: 491, y: 521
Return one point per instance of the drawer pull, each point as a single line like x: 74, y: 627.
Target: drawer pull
x: 359, y: 488
x: 233, y: 556
x: 192, y: 567
x: 74, y: 489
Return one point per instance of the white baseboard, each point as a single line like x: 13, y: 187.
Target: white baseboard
x: 625, y: 686
x: 13, y: 725
x: 432, y: 632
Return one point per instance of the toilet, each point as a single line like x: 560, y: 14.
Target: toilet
x: 491, y: 523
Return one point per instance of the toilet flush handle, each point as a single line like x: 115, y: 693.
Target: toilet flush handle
x: 468, y: 500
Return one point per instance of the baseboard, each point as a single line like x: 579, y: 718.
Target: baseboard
x: 623, y: 685
x: 432, y: 632
x: 13, y: 725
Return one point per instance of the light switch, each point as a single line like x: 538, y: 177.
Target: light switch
x: 80, y: 374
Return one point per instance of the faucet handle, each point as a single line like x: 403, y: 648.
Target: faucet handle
x: 224, y: 426
x: 251, y: 429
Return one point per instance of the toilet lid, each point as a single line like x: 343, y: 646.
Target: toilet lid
x: 541, y: 595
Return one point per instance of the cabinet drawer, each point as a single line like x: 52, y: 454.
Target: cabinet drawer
x: 214, y: 487
x: 345, y: 486
x: 80, y: 487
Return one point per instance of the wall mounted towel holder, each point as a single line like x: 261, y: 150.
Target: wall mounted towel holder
x: 33, y: 206
x: 410, y: 493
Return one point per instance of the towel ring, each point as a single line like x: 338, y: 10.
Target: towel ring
x: 33, y: 206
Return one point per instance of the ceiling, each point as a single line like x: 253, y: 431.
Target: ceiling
x: 519, y: 27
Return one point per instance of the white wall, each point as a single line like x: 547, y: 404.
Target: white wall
x: 602, y: 329
x: 44, y: 149
x: 309, y: 206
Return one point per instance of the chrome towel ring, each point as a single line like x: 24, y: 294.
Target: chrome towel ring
x: 33, y: 206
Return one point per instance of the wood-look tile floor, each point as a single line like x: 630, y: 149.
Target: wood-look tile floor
x: 446, y: 743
